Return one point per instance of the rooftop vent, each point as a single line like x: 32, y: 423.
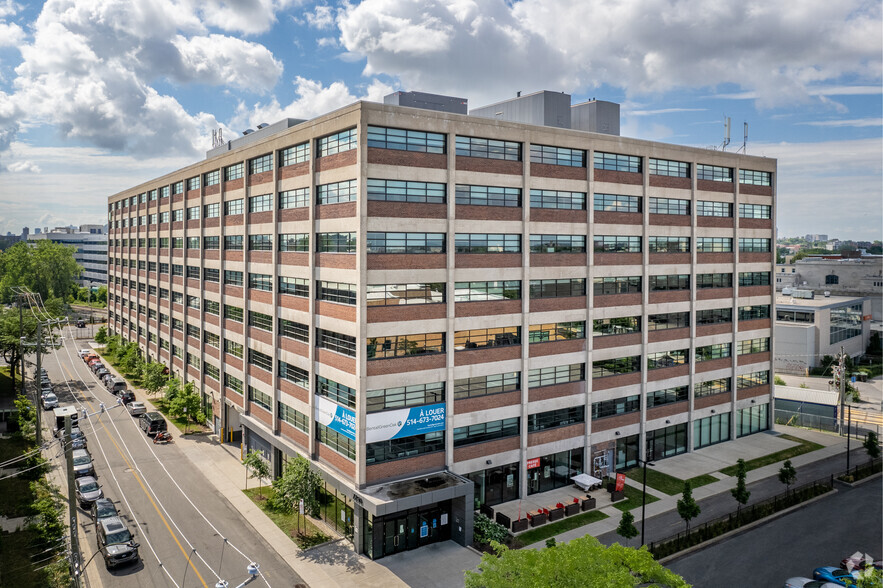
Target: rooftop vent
x: 247, y: 131
x: 262, y: 125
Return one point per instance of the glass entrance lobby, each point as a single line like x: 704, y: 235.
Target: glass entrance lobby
x: 402, y: 531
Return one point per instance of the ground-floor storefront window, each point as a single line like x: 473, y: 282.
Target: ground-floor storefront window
x: 553, y: 471
x: 752, y: 420
x: 711, y: 430
x: 666, y: 442
x: 495, y: 485
x: 406, y: 530
x: 627, y: 452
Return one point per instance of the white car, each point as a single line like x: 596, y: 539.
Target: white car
x: 84, y: 352
x: 50, y: 401
x: 808, y: 583
x: 136, y: 408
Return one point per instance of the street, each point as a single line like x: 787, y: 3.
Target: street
x: 189, y: 534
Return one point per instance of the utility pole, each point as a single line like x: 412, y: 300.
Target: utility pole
x: 842, y: 372
x: 39, y: 409
x: 72, y: 503
x: 21, y: 342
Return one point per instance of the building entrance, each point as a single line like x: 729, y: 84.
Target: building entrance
x: 411, y: 529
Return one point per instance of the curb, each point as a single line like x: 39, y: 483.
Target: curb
x: 743, y: 529
x: 860, y: 482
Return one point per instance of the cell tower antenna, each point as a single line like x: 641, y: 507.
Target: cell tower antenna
x: 744, y: 148
x: 727, y: 137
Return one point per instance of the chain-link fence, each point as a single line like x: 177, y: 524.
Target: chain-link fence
x: 858, y: 429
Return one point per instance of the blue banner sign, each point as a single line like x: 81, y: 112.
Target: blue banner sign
x: 404, y: 422
x: 336, y: 417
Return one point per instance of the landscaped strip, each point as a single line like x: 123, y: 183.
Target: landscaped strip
x: 765, y: 460
x: 633, y: 498
x: 299, y: 528
x: 558, y: 527
x: 657, y: 480
x: 701, y: 481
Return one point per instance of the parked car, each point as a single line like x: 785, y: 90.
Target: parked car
x: 103, y: 508
x: 136, y: 408
x: 115, y: 385
x: 84, y: 352
x: 45, y: 388
x: 81, y: 324
x: 859, y: 561
x: 152, y: 423
x: 95, y: 366
x: 44, y: 393
x: 82, y: 463
x: 50, y: 401
x: 837, y: 576
x: 88, y: 491
x: 78, y: 439
x: 106, y: 378
x: 101, y: 372
x: 808, y: 583
x: 127, y: 396
x: 115, y: 542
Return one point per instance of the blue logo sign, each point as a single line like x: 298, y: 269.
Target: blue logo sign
x: 405, y: 422
x: 335, y: 417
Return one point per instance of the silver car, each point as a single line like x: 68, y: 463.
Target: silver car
x: 82, y: 463
x: 88, y: 491
x: 50, y: 400
x: 136, y: 408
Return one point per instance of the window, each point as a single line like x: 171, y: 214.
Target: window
x: 297, y: 154
x: 193, y: 302
x: 608, y: 408
x: 260, y: 164
x: 669, y: 282
x: 336, y: 292
x: 665, y: 359
x: 261, y: 203
x: 177, y: 325
x: 711, y: 387
x: 193, y: 331
x: 261, y: 360
x: 343, y: 395
x: 714, y: 281
x: 163, y: 294
x: 211, y: 307
x: 260, y: 320
x: 178, y: 188
x: 193, y: 213
x: 671, y: 320
x: 336, y: 342
x: 754, y: 278
x: 616, y: 285
x: 234, y: 349
x: 294, y: 374
x: 757, y: 178
x: 396, y: 294
x: 210, y: 243
x: 260, y: 282
x: 486, y: 385
x: 336, y: 441
x: 294, y: 330
x: 211, y: 339
x: 715, y: 351
x: 711, y: 430
x: 557, y: 288
x: 193, y: 272
x: 232, y: 383
x: 557, y: 156
x: 193, y: 360
x: 345, y: 191
x: 338, y: 242
x: 177, y: 242
x: 294, y: 242
x: 749, y: 245
x: 406, y: 242
x: 748, y: 346
x: 749, y: 313
x: 665, y: 167
x: 755, y: 211
x: 617, y: 162
x: 263, y: 400
x: 233, y: 172
x: 488, y: 148
x: 192, y: 242
x: 668, y: 244
x: 298, y: 198
x: 406, y: 191
x: 559, y: 374
x: 667, y: 442
x: 404, y: 396
x: 561, y: 417
x: 232, y: 278
x: 298, y: 420
x: 617, y: 244
x: 714, y: 244
x: 193, y: 183
x: 761, y: 378
x: 260, y: 243
x: 234, y: 206
x: 164, y: 218
x: 498, y: 336
x: 708, y: 208
x: 337, y: 143
x: 294, y: 286
x: 211, y: 275
x: 557, y: 244
x: 667, y: 396
x: 405, y: 140
x: 487, y: 243
x: 669, y: 206
x: 233, y: 242
x: 616, y: 203
x: 558, y: 199
x: 714, y: 316
x: 752, y: 420
x: 484, y: 291
x: 714, y: 173
x: 488, y: 195
x: 557, y: 331
x: 404, y: 345
x: 212, y: 178
x: 487, y: 431
x: 233, y: 313
x: 616, y: 326
x: 616, y: 366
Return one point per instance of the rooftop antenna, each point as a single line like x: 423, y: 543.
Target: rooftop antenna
x: 744, y: 148
x: 727, y: 137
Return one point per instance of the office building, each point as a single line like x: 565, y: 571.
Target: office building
x: 90, y: 242
x: 443, y: 310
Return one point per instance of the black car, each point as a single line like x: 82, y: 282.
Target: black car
x: 127, y: 396
x: 81, y: 324
x: 103, y: 508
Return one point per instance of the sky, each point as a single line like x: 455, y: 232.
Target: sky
x: 99, y: 95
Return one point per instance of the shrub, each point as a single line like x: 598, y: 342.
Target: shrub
x: 485, y: 530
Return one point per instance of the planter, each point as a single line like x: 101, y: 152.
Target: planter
x: 616, y: 496
x: 519, y: 525
x: 611, y: 486
x: 556, y: 514
x: 588, y: 503
x: 537, y: 520
x: 571, y: 509
x: 504, y: 520
x: 486, y: 511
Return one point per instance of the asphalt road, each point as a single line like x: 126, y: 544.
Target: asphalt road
x: 820, y: 534
x: 161, y: 496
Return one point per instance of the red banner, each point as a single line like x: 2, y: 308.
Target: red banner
x: 620, y: 482
x: 533, y: 463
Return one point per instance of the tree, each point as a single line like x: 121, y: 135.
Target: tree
x: 101, y: 335
x: 578, y: 563
x: 626, y: 528
x: 130, y: 359
x: 101, y: 295
x: 872, y: 445
x: 47, y: 268
x: 172, y: 389
x: 187, y: 405
x: 787, y: 474
x: 298, y: 482
x: 27, y: 417
x: 11, y: 329
x: 687, y: 506
x: 740, y: 492
x: 153, y: 377
x: 258, y: 466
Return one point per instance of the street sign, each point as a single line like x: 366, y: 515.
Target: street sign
x: 300, y: 506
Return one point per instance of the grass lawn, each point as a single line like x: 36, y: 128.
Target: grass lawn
x: 182, y: 424
x: 566, y: 524
x: 752, y: 464
x: 16, y: 562
x: 12, y: 447
x: 633, y: 497
x: 657, y: 480
x: 308, y: 534
x: 701, y: 481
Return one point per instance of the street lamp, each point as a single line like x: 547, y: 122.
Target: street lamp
x: 644, y: 498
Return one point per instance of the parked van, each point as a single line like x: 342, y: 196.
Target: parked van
x: 116, y: 385
x: 152, y: 423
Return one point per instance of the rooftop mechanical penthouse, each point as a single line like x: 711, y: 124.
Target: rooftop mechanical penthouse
x: 443, y: 310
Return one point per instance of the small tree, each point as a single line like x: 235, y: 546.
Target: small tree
x: 787, y: 474
x: 172, y: 389
x: 740, y: 492
x: 626, y: 528
x: 258, y: 466
x: 187, y: 405
x: 872, y: 445
x: 778, y: 381
x: 101, y: 335
x: 153, y: 377
x: 130, y: 359
x: 298, y: 482
x: 486, y: 530
x: 687, y: 506
x: 27, y: 418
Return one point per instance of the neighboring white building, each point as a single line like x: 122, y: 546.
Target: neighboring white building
x: 841, y: 277
x: 91, y: 244
x: 808, y: 329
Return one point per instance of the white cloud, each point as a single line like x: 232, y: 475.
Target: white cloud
x: 856, y: 122
x: 11, y: 35
x: 321, y: 18
x: 225, y: 61
x: 246, y: 16
x: 23, y: 167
